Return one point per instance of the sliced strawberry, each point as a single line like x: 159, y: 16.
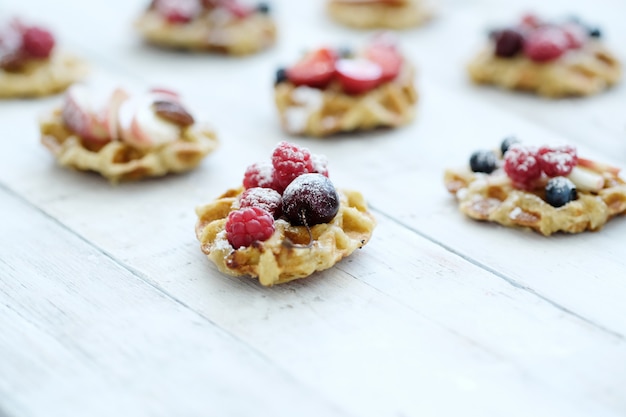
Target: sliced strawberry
x: 236, y: 8
x: 316, y: 69
x: 178, y: 11
x: 358, y: 75
x: 387, y: 57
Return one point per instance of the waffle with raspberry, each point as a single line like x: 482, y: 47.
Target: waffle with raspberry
x: 332, y: 91
x: 270, y: 235
x: 552, y: 60
x: 31, y: 65
x: 383, y: 14
x: 225, y: 26
x: 541, y: 189
x: 125, y: 137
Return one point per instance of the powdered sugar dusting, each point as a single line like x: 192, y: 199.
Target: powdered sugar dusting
x: 221, y: 242
x: 308, y: 100
x: 320, y: 164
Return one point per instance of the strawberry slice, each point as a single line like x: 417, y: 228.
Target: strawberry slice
x: 316, y: 69
x: 358, y: 75
x: 236, y: 8
x: 387, y: 57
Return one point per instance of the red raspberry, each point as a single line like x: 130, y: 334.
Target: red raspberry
x: 290, y: 161
x: 557, y: 161
x: 265, y: 198
x: 248, y: 225
x: 546, y: 44
x: 38, y: 42
x: 259, y: 175
x: 521, y: 164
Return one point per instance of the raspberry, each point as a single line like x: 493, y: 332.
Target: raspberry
x: 289, y: 161
x: 265, y: 198
x: 248, y: 225
x: 557, y: 161
x: 546, y: 44
x: 259, y: 175
x: 521, y: 164
x: 38, y: 42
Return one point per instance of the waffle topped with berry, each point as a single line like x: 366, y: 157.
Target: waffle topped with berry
x: 31, y: 65
x: 340, y: 90
x: 125, y: 136
x: 552, y: 59
x: 285, y: 222
x: 382, y: 14
x: 226, y: 26
x: 548, y: 189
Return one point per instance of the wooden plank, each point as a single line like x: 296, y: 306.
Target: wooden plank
x: 83, y: 336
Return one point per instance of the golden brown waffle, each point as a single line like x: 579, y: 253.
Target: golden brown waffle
x: 382, y: 16
x: 276, y: 260
x: 577, y: 73
x: 42, y: 77
x: 119, y: 161
x: 313, y: 112
x: 492, y: 197
x: 236, y: 37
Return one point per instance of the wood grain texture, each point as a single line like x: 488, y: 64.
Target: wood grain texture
x: 438, y: 315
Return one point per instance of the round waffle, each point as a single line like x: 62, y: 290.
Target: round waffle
x: 380, y: 15
x: 235, y: 36
x: 579, y: 73
x: 118, y: 160
x: 41, y: 77
x: 492, y: 197
x: 314, y: 112
x: 284, y: 257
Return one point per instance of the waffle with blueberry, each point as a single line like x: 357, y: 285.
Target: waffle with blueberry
x: 31, y: 64
x: 381, y: 14
x: 552, y: 59
x: 125, y: 136
x: 226, y: 26
x: 548, y: 189
x: 286, y: 221
x: 340, y: 90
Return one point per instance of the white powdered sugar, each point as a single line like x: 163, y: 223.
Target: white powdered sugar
x: 515, y: 213
x: 308, y: 100
x: 320, y: 163
x: 221, y: 242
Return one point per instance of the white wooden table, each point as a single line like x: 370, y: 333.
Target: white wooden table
x: 108, y: 307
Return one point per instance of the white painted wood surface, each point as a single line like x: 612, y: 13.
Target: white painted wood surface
x: 108, y: 307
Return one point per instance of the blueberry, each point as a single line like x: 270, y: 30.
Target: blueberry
x: 281, y: 76
x: 507, y: 142
x: 483, y: 161
x: 345, y: 52
x: 263, y: 8
x: 508, y: 43
x: 560, y: 191
x: 594, y: 32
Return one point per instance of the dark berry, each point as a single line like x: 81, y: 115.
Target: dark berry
x: 507, y: 142
x: 289, y: 161
x: 521, y: 164
x: 265, y: 198
x: 483, y: 161
x: 508, y: 43
x: 263, y: 8
x: 281, y: 76
x: 248, y: 225
x: 594, y: 32
x: 345, y: 52
x: 560, y: 191
x: 310, y: 199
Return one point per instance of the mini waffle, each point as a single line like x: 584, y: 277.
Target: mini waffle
x: 578, y: 73
x: 279, y: 259
x: 236, y: 37
x: 119, y: 161
x: 41, y: 77
x: 492, y: 197
x: 380, y: 15
x: 314, y: 112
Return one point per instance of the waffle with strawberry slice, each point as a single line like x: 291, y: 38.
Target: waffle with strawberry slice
x: 226, y: 26
x: 31, y: 65
x: 381, y: 14
x: 547, y: 189
x: 331, y: 91
x: 125, y: 136
x: 286, y: 222
x: 551, y: 59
